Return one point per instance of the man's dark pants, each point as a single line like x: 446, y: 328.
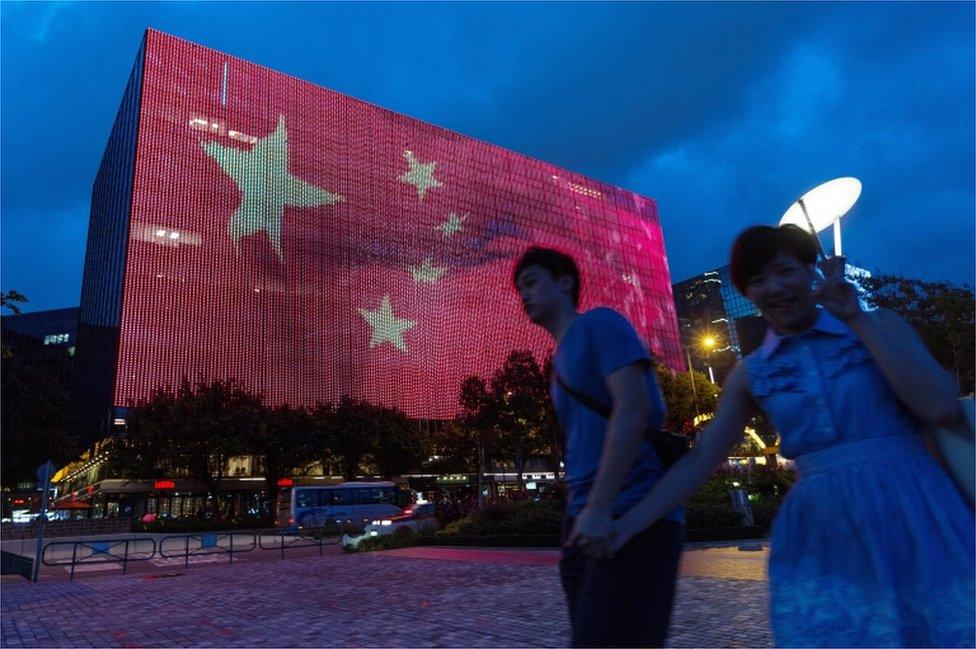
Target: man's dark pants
x: 624, y: 601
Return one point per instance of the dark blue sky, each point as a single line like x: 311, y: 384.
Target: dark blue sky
x: 724, y: 113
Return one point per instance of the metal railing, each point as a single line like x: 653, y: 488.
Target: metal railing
x: 207, y: 544
x: 122, y: 551
x: 286, y: 539
x: 178, y: 546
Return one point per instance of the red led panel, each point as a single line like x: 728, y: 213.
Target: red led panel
x: 311, y: 245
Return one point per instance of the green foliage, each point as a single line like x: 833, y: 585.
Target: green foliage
x: 941, y: 314
x: 707, y: 515
x: 398, y: 445
x: 10, y: 300
x: 510, y: 519
x: 283, y: 442
x: 402, y: 538
x: 681, y: 400
x: 762, y: 480
x: 356, y: 433
x: 193, y: 431
x: 710, y: 507
x: 508, y: 417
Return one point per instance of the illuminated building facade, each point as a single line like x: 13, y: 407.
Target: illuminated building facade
x: 246, y: 224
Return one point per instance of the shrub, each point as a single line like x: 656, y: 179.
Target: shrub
x: 703, y: 516
x: 510, y: 518
x: 764, y: 510
x: 724, y: 534
x: 401, y: 538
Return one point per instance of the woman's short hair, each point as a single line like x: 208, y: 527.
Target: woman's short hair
x: 557, y: 263
x: 757, y: 246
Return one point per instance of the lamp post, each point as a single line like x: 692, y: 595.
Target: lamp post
x: 823, y: 206
x: 708, y: 342
x: 691, y: 377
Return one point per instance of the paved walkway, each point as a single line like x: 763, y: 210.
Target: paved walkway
x: 415, y: 597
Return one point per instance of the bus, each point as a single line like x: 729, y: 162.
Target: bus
x: 359, y: 503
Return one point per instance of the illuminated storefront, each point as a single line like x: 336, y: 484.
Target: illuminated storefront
x: 246, y: 224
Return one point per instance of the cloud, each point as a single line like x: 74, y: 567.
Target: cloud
x: 837, y: 105
x: 724, y: 112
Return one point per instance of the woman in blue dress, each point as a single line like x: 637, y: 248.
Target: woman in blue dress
x: 873, y: 545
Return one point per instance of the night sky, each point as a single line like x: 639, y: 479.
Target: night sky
x: 724, y: 113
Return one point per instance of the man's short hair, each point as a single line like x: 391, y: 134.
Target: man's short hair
x: 557, y: 263
x: 757, y: 246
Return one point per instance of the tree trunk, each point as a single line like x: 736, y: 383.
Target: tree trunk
x: 519, y: 469
x: 481, y: 473
x: 555, y: 453
x: 271, y: 493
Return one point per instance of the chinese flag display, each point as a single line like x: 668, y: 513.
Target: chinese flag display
x: 311, y: 245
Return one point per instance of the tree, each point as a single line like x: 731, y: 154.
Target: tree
x: 10, y: 299
x: 398, y: 446
x: 557, y: 437
x: 144, y: 451
x: 37, y: 419
x: 475, y: 430
x: 523, y: 418
x: 683, y: 403
x: 511, y: 415
x: 194, y: 429
x: 347, y: 431
x: 941, y: 314
x: 283, y: 441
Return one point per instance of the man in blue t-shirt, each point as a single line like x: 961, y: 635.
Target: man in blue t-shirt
x: 624, y: 599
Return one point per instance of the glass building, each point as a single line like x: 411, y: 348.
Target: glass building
x: 246, y: 224
x: 709, y: 308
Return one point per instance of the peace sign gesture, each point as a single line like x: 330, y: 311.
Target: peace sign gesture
x: 835, y: 293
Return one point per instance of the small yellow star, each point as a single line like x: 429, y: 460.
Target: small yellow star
x: 420, y: 175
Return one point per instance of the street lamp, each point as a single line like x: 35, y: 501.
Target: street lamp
x: 709, y: 343
x: 691, y: 376
x: 823, y: 206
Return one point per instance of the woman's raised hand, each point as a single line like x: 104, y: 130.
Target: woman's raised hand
x: 835, y: 293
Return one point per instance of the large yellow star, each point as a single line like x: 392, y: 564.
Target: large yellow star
x: 266, y: 186
x: 420, y: 175
x: 386, y: 326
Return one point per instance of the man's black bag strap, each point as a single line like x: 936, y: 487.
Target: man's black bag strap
x: 669, y: 446
x: 596, y: 406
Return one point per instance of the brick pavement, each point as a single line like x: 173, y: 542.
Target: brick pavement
x: 458, y: 598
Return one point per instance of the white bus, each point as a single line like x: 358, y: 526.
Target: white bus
x: 359, y: 503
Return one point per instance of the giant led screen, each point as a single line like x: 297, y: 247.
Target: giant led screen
x: 311, y: 245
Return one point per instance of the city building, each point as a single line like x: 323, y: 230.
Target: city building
x: 717, y: 324
x: 246, y: 224
x: 43, y: 337
x: 38, y: 352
